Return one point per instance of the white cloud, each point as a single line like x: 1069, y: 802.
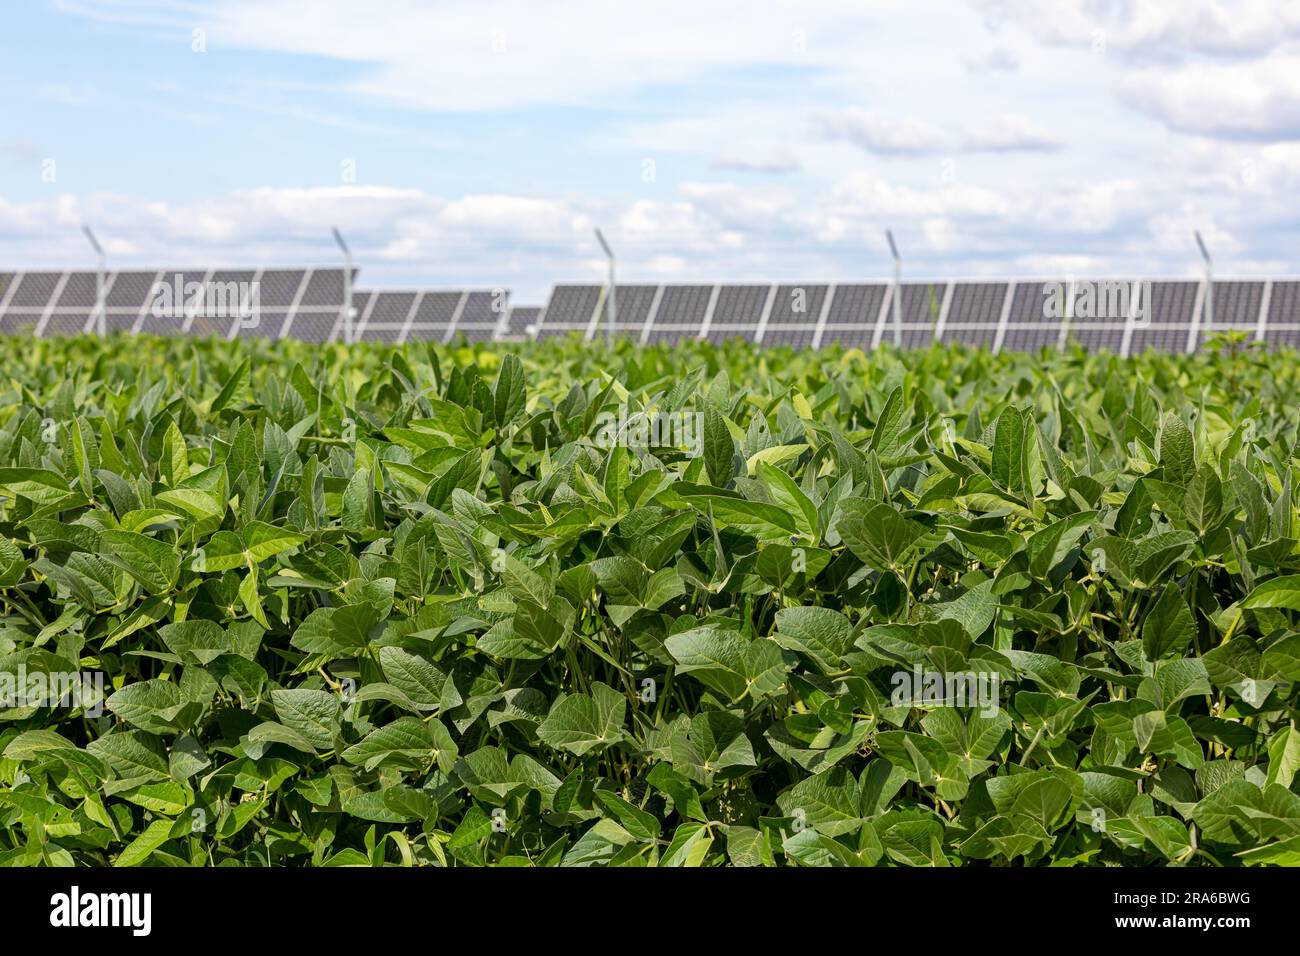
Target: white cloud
x: 996, y: 60
x: 1007, y: 134
x: 877, y: 134
x: 774, y: 161
x: 1153, y: 28
x: 1257, y: 99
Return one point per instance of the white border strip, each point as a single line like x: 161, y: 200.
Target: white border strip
x: 648, y: 326
x: 823, y: 316
x: 297, y: 301
x: 455, y: 317
x: 942, y: 322
x: 411, y: 313
x: 1261, y: 326
x: 1193, y: 330
x: 766, y: 317
x: 707, y: 322
x: 1004, y: 317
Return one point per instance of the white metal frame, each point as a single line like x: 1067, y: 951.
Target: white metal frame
x: 886, y: 309
x: 1130, y: 320
x: 649, y: 324
x: 1265, y: 300
x: 411, y: 313
x: 1194, y: 327
x: 1004, y: 317
x: 766, y: 315
x: 942, y: 322
x: 292, y: 314
x: 825, y: 314
x: 457, y: 312
x: 707, y: 322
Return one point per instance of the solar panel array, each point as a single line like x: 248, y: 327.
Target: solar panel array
x: 272, y: 303
x: 1122, y: 315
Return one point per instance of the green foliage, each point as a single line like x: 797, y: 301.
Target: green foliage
x: 413, y: 606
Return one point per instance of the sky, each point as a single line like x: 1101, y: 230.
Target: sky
x: 478, y: 143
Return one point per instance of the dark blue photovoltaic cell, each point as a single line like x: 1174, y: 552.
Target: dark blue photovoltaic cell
x: 1162, y: 338
x: 1236, y: 306
x: 1097, y: 338
x: 433, y: 315
x: 1028, y: 338
x: 483, y: 317
x: 1284, y: 315
x: 974, y: 312
x: 386, y: 316
x: 739, y: 307
x: 570, y: 309
x: 790, y: 336
x: 851, y: 337
x: 523, y: 318
x: 683, y: 306
x: 632, y: 304
x: 797, y: 305
x: 856, y: 305
x: 922, y: 303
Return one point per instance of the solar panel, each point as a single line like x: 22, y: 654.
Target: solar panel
x: 481, y: 315
x: 794, y: 315
x: 738, y: 311
x: 921, y: 307
x: 71, y: 304
x: 126, y: 298
x: 856, y: 305
x: 384, y: 315
x: 681, y: 313
x: 852, y: 314
x: 1283, y: 328
x: 28, y: 299
x: 235, y: 299
x: 1030, y: 338
x: 974, y: 312
x: 164, y: 311
x: 324, y: 290
x: 569, y: 310
x: 521, y: 319
x: 1173, y: 304
x: 1100, y: 311
x: 1236, y: 305
x: 633, y: 305
x: 1027, y: 304
x: 434, y: 314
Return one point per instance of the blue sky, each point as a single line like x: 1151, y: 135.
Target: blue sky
x: 478, y: 142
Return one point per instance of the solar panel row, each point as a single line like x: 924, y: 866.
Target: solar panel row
x: 304, y: 303
x: 1120, y: 315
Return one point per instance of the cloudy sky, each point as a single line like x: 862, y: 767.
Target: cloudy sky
x: 478, y: 142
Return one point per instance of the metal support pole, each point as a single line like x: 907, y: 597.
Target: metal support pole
x: 611, y: 307
x: 898, y: 290
x: 348, y: 311
x: 1209, y: 283
x: 101, y: 320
